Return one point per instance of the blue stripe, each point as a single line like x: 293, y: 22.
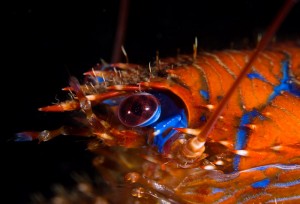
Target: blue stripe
x: 256, y: 75
x: 261, y: 184
x: 100, y: 79
x: 172, y: 116
x: 204, y: 94
x: 242, y: 133
x: 286, y: 83
x: 179, y: 121
x: 216, y: 190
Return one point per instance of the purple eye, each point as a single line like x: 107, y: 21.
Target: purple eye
x: 139, y: 110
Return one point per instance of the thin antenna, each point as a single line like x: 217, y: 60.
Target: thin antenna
x: 194, y: 143
x: 120, y: 32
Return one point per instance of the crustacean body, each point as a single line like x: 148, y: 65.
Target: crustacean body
x: 147, y: 125
x: 255, y: 142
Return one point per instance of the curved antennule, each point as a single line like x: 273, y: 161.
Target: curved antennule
x: 195, y: 145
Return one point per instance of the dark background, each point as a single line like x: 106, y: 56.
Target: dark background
x: 46, y: 42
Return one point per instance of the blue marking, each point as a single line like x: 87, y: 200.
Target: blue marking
x: 166, y: 124
x: 217, y: 190
x: 256, y: 75
x: 160, y: 139
x: 286, y: 83
x: 242, y: 133
x: 261, y: 168
x: 204, y: 94
x: 113, y: 101
x: 22, y: 137
x: 100, y: 79
x: 261, y: 184
x: 172, y: 115
x: 203, y: 118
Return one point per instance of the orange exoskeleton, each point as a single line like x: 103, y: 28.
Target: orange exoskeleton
x: 209, y: 127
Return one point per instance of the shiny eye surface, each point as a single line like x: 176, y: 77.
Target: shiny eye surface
x: 139, y: 110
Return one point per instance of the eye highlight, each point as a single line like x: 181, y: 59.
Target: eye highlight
x: 139, y: 110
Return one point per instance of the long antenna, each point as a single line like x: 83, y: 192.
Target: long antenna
x: 121, y: 30
x: 194, y: 144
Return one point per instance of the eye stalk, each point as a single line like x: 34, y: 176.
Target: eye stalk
x: 141, y: 110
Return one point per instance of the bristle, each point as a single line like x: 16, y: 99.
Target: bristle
x: 210, y: 107
x: 219, y: 162
x: 277, y: 148
x: 226, y: 143
x: 209, y: 167
x: 242, y: 152
x: 251, y: 126
x: 189, y: 131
